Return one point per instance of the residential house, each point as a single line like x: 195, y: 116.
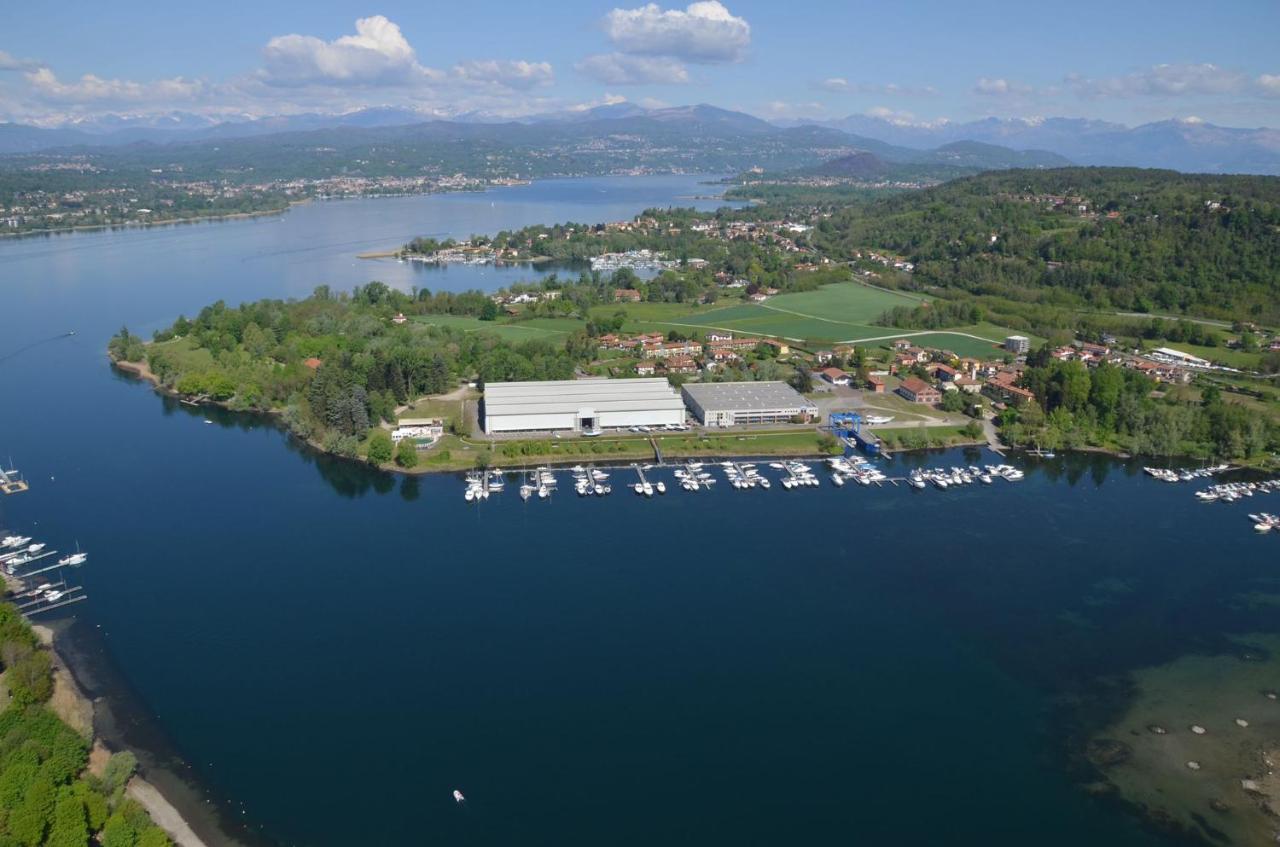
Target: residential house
x: 875, y: 384
x: 916, y: 390
x: 646, y: 368
x: 679, y: 365
x: 945, y: 373
x: 835, y: 376
x: 1002, y: 386
x: 673, y: 349
x: 626, y: 295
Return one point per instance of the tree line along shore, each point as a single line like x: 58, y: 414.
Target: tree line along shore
x: 58, y: 786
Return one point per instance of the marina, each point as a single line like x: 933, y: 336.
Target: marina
x: 24, y: 559
x: 741, y: 474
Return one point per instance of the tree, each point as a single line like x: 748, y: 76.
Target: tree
x: 953, y: 401
x: 118, y: 772
x: 802, y: 380
x: 407, y: 453
x: 380, y: 448
x: 70, y: 828
x: 489, y: 311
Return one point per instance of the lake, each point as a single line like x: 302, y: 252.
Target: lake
x: 331, y: 651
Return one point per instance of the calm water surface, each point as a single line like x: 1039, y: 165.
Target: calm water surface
x: 333, y: 651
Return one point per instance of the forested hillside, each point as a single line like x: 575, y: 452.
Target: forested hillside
x: 1109, y: 238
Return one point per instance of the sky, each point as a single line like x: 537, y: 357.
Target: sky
x: 908, y: 61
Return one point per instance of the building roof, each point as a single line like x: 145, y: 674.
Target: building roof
x: 746, y: 396
x: 916, y: 385
x: 568, y: 396
x: 418, y: 422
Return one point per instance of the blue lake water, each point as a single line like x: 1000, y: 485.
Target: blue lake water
x: 332, y: 651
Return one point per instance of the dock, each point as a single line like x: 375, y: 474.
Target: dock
x: 11, y: 482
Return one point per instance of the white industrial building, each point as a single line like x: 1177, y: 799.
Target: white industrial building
x: 739, y: 403
x: 580, y: 405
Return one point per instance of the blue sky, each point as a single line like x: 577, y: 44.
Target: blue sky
x: 914, y: 62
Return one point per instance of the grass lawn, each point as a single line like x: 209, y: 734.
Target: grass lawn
x: 936, y: 436
x: 842, y: 312
x: 183, y: 353
x: 522, y: 331
x: 534, y: 452
x: 431, y: 407
x: 1231, y: 358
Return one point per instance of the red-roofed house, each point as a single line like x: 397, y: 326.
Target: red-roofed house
x: 916, y: 390
x: 876, y: 384
x: 835, y: 376
x: 312, y: 363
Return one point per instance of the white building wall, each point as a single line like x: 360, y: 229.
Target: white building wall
x: 646, y: 417
x: 523, y: 423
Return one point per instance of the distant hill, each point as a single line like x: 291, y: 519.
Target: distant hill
x: 863, y: 165
x: 989, y: 157
x: 1184, y: 145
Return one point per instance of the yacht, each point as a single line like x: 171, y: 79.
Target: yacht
x: 457, y: 796
x: 875, y: 420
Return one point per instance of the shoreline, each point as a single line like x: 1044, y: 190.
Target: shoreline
x: 89, y: 699
x: 151, y: 224
x: 139, y: 370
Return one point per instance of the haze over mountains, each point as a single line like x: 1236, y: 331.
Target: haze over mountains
x: 1185, y: 145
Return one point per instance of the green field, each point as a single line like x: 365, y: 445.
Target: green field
x: 1231, y: 358
x: 543, y: 328
x: 185, y: 355
x: 833, y: 314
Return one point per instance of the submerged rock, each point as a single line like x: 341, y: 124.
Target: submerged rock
x: 1108, y: 752
x: 1219, y: 805
x: 1242, y: 723
x: 1156, y: 729
x: 1198, y: 730
x: 1195, y: 766
x: 1250, y: 786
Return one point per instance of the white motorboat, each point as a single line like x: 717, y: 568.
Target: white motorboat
x: 457, y: 796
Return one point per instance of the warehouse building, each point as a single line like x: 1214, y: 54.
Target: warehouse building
x: 738, y: 403
x: 580, y: 405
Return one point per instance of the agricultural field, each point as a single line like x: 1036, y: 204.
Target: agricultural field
x: 843, y: 312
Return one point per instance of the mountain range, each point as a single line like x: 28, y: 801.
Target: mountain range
x: 1185, y: 145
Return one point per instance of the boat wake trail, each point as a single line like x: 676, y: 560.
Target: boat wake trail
x: 7, y: 356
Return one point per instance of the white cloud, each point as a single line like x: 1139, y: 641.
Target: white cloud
x: 898, y: 117
x: 840, y: 85
x: 781, y: 109
x: 1167, y: 80
x: 10, y: 62
x: 1268, y: 85
x: 377, y: 53
x: 705, y: 32
x: 516, y: 74
x: 90, y: 88
x: 621, y: 69
x: 606, y: 100
x: 998, y: 87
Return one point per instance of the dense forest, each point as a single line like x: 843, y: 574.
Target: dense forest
x: 1112, y: 239
x: 47, y: 797
x: 1119, y: 408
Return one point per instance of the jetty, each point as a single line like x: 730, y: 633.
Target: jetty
x: 11, y: 481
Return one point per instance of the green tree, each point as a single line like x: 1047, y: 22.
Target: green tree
x: 119, y: 770
x: 70, y: 828
x: 380, y: 447
x: 407, y: 453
